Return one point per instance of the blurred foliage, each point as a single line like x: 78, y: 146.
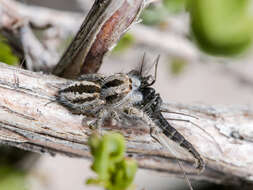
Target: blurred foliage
x: 64, y: 44
x: 114, y: 171
x: 11, y: 155
x: 220, y: 27
x: 125, y: 42
x: 12, y: 179
x: 223, y: 27
x: 177, y: 66
x: 155, y: 14
x: 174, y: 6
x: 6, y: 56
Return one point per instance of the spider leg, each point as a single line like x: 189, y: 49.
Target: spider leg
x: 115, y: 116
x: 98, y: 122
x: 133, y: 112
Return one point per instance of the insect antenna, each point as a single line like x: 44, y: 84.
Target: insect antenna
x: 164, y: 108
x: 142, y: 63
x: 156, y: 66
x: 161, y: 140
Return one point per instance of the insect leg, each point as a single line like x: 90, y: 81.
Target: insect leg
x: 162, y: 109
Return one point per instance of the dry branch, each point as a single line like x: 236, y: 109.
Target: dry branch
x: 26, y: 121
x: 105, y: 23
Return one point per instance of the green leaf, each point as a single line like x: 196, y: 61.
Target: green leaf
x: 12, y: 179
x: 113, y: 170
x: 6, y: 56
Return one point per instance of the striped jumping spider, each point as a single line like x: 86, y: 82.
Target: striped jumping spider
x: 98, y: 96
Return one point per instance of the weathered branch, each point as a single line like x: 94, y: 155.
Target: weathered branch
x: 104, y: 25
x: 27, y: 121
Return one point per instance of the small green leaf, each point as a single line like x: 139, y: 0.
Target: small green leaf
x: 6, y: 56
x: 124, y: 176
x: 12, y: 179
x: 113, y: 170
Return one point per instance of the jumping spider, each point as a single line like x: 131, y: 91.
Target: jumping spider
x: 98, y: 96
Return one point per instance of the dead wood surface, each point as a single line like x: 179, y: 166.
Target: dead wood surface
x: 27, y: 121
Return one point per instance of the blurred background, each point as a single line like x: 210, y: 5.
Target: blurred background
x: 200, y: 63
